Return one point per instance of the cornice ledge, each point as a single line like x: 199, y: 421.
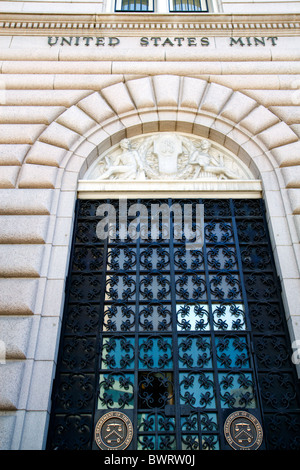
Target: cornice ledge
x: 135, y: 24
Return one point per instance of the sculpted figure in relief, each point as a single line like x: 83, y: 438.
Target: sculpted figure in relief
x: 127, y: 165
x: 206, y: 166
x: 165, y: 157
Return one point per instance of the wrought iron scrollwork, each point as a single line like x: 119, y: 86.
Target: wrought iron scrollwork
x: 155, y: 390
x: 174, y: 336
x: 116, y: 390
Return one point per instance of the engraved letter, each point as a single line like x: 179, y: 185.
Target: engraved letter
x: 179, y: 41
x: 258, y: 41
x: 204, y: 42
x: 113, y: 41
x: 50, y: 41
x: 236, y: 41
x: 168, y: 41
x: 100, y: 42
x: 192, y: 41
x: 68, y: 41
x: 273, y: 39
x: 87, y: 40
x: 144, y: 42
x: 155, y: 40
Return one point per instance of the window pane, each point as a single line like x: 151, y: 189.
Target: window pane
x: 133, y: 5
x: 188, y: 5
x: 144, y: 5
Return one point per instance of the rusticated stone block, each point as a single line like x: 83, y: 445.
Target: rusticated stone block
x: 25, y: 201
x: 20, y: 133
x: 76, y: 120
x: 141, y: 91
x: 96, y: 107
x: 118, y: 98
x: 59, y: 136
x: 21, y: 260
x: 18, y: 296
x: 8, y: 176
x: 192, y: 92
x: 37, y: 176
x: 258, y: 120
x: 291, y: 176
x: 44, y: 97
x: 166, y: 90
x: 13, y: 154
x: 277, y: 135
x: 45, y: 154
x: 215, y: 98
x: 294, y: 196
x: 11, y: 374
x: 16, y: 332
x: 288, y: 155
x: 237, y: 107
x: 28, y: 229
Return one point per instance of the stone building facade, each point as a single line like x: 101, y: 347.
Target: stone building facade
x: 76, y: 79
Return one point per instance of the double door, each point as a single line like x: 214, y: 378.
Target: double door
x: 176, y: 340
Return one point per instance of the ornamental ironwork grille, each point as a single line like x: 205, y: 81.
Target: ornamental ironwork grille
x: 177, y: 339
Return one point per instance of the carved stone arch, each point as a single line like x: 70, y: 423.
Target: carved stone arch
x: 62, y: 152
x: 163, y: 103
x: 167, y: 103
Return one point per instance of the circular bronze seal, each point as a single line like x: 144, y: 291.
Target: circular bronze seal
x: 243, y: 431
x: 113, y: 431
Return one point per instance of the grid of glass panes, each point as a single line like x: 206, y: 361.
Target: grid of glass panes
x: 175, y: 336
x: 174, y: 6
x: 188, y: 5
x: 134, y: 5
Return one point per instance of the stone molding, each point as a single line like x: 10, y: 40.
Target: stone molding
x: 216, y: 189
x: 136, y: 24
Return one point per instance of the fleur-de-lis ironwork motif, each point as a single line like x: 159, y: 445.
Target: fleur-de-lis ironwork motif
x: 173, y: 330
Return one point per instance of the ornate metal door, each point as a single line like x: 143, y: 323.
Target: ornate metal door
x: 175, y: 339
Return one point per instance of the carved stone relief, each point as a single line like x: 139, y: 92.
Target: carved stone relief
x: 168, y: 156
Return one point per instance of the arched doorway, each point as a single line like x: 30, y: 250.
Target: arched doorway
x: 166, y: 345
